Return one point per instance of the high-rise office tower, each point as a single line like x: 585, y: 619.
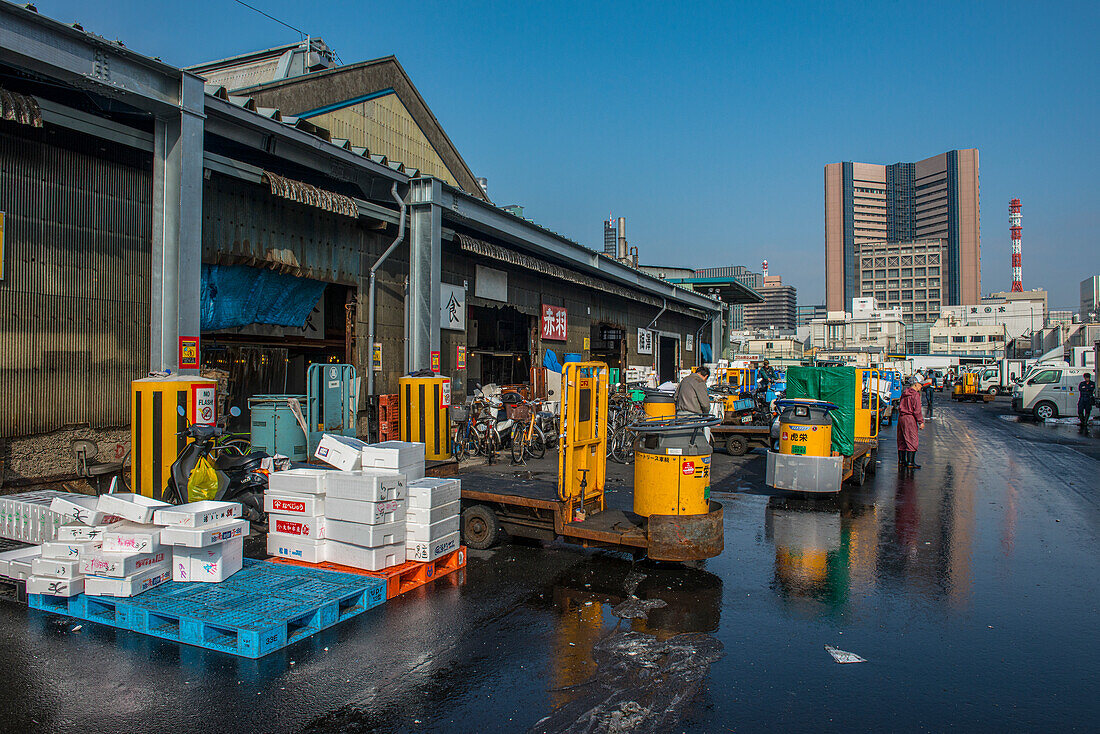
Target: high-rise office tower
x: 933, y: 199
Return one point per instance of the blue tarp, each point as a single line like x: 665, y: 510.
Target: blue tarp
x: 704, y: 353
x: 239, y: 295
x: 550, y: 361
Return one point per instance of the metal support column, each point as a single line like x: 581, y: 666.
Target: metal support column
x: 425, y: 235
x: 177, y: 228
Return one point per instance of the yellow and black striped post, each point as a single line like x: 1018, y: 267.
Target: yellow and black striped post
x: 155, y: 425
x: 425, y: 414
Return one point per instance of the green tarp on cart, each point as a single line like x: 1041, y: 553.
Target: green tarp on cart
x: 836, y: 385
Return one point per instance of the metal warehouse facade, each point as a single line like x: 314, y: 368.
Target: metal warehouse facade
x: 137, y: 199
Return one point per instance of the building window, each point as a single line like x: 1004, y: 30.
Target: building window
x: 906, y: 272
x: 939, y: 340
x: 907, y: 283
x: 977, y: 338
x: 958, y: 340
x: 868, y: 274
x: 894, y: 296
x: 918, y: 271
x: 933, y: 271
x: 933, y: 292
x: 893, y: 272
x: 907, y: 295
x: 880, y: 274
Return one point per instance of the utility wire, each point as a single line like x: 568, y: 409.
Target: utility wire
x: 272, y: 17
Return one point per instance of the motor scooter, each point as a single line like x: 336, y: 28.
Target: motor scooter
x: 241, y: 478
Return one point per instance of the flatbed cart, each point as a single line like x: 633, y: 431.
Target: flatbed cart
x: 738, y: 440
x: 574, y: 506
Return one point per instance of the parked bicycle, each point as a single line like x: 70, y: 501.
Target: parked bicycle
x: 528, y: 439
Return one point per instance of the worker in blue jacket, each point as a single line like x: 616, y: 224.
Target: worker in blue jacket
x: 1086, y: 397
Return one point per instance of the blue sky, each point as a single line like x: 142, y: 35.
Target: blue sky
x: 707, y: 125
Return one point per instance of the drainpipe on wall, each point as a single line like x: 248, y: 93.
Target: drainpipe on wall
x: 373, y: 282
x: 664, y: 307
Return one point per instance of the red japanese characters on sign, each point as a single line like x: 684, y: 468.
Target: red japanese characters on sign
x: 554, y: 323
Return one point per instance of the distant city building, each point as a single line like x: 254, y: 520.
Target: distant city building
x: 904, y: 275
x: 1090, y: 299
x: 741, y: 274
x: 867, y: 328
x: 778, y: 311
x: 805, y: 314
x: 1059, y: 317
x: 956, y: 334
x: 773, y: 347
x: 933, y: 199
x: 1019, y: 317
x: 610, y: 238
x: 1035, y: 295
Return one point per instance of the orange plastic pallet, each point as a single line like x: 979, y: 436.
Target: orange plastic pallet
x: 399, y: 579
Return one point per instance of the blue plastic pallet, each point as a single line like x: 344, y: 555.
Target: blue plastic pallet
x: 260, y: 609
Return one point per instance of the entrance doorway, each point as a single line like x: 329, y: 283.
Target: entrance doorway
x: 607, y: 345
x: 498, y: 346
x: 668, y: 358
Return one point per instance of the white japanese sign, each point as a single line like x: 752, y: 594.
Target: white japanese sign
x: 452, y: 307
x: 645, y: 341
x: 690, y: 342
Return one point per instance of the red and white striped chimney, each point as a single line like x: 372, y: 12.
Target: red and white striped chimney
x: 1016, y: 229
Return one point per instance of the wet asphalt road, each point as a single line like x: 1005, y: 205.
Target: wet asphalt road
x: 970, y: 586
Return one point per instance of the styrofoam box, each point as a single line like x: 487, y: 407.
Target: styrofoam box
x: 298, y: 481
x: 19, y: 568
x: 370, y: 559
x: 27, y: 516
x: 129, y: 586
x: 343, y: 452
x: 411, y: 472
x: 299, y: 526
x: 204, y: 536
x: 55, y: 567
x: 421, y: 551
x: 82, y: 509
x: 433, y: 532
x: 198, y: 514
x: 368, y: 513
x: 117, y: 565
x: 392, y: 454
x: 80, y: 531
x: 431, y: 492
x: 367, y: 536
x: 17, y: 554
x: 427, y: 516
x: 366, y: 485
x: 288, y: 503
x: 131, y: 537
x: 211, y: 564
x: 69, y: 550
x: 299, y: 549
x: 55, y: 587
x: 129, y: 506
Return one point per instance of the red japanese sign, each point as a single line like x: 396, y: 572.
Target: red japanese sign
x: 554, y: 323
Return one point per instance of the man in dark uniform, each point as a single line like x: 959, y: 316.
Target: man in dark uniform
x: 1086, y: 396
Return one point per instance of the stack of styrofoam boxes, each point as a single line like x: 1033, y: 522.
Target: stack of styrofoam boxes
x: 126, y: 557
x: 16, y: 563
x: 27, y: 517
x: 207, y: 539
x: 57, y: 570
x: 365, y: 512
x: 432, y: 522
x: 295, y: 505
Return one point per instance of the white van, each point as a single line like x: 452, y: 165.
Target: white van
x: 1049, y: 392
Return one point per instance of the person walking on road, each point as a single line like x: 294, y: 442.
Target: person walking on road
x: 927, y: 392
x: 691, y: 393
x: 1086, y: 397
x: 910, y: 420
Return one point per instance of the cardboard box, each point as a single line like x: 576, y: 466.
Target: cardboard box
x: 69, y: 550
x: 370, y: 559
x: 299, y: 526
x: 80, y: 531
x: 300, y: 549
x: 426, y: 516
x: 55, y: 587
x: 118, y: 565
x: 55, y: 567
x: 131, y: 537
x: 431, y: 492
x: 343, y: 452
x: 286, y: 503
x: 198, y: 514
x: 211, y: 564
x: 128, y: 506
x: 421, y: 551
x: 366, y: 485
x: 367, y: 536
x: 204, y: 536
x: 17, y: 555
x: 423, y: 533
x: 392, y: 454
x: 82, y: 509
x: 129, y: 586
x: 298, y: 481
x: 368, y: 513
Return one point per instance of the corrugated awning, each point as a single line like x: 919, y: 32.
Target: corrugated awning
x: 311, y: 195
x: 21, y: 108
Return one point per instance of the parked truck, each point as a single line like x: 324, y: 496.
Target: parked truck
x: 999, y: 377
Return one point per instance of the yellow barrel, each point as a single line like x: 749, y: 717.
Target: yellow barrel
x: 806, y: 429
x: 425, y: 414
x: 659, y: 405
x: 155, y: 425
x: 672, y: 473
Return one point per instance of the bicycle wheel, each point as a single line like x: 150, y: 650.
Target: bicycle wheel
x: 536, y: 447
x: 519, y: 445
x: 461, y: 445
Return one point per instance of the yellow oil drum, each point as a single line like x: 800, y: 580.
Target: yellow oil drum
x: 805, y: 429
x: 672, y: 473
x: 659, y: 405
x: 425, y: 414
x: 155, y: 425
